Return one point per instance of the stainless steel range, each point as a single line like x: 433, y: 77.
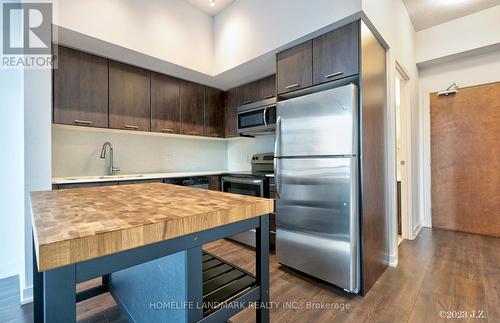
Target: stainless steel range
x: 254, y: 183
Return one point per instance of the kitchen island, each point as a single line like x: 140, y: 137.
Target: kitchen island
x: 81, y: 234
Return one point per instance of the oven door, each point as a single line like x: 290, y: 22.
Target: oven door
x: 243, y: 186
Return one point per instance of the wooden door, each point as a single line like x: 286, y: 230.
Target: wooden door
x: 165, y: 104
x: 192, y: 100
x: 465, y: 160
x: 336, y: 54
x: 230, y: 115
x: 129, y: 97
x: 267, y: 87
x: 294, y: 68
x: 214, y: 112
x: 81, y: 89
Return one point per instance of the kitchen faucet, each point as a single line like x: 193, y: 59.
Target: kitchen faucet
x: 111, y: 170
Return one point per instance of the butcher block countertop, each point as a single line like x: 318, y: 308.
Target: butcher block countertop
x: 75, y: 225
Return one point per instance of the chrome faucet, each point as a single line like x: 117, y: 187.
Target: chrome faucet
x: 112, y: 169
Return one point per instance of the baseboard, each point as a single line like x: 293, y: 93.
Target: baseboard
x: 26, y: 295
x: 393, y: 260
x: 10, y: 269
x: 416, y: 230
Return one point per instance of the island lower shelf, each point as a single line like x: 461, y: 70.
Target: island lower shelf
x: 223, y: 282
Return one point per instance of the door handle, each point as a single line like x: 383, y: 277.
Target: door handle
x: 264, y: 117
x: 276, y: 156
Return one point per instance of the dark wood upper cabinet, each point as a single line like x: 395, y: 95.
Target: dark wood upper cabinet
x: 80, y: 89
x: 294, y: 68
x: 129, y: 97
x: 192, y: 110
x: 214, y: 112
x: 267, y: 87
x: 335, y: 54
x: 248, y: 93
x: 165, y: 104
x: 230, y: 115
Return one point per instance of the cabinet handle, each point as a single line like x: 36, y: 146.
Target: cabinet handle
x: 269, y: 96
x: 247, y: 102
x: 83, y: 122
x: 329, y: 76
x: 193, y: 133
x: 131, y: 127
x: 291, y: 86
x: 167, y: 130
x: 214, y: 135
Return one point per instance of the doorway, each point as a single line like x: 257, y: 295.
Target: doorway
x: 403, y: 155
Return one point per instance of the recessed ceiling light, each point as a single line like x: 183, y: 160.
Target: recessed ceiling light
x: 212, y: 3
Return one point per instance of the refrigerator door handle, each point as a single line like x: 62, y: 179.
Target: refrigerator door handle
x: 276, y: 154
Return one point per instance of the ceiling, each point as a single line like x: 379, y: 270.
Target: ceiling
x: 204, y: 5
x: 428, y: 13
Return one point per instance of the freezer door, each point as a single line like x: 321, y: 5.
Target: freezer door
x: 319, y: 124
x: 317, y: 218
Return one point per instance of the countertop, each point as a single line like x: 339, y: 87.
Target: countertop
x: 131, y: 177
x: 75, y: 225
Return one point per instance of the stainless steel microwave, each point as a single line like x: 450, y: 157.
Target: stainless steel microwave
x: 257, y: 118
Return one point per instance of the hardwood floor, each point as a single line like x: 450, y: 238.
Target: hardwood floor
x: 438, y: 271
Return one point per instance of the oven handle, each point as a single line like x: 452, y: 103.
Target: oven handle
x: 228, y: 179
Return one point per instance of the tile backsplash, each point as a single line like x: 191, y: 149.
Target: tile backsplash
x: 76, y: 150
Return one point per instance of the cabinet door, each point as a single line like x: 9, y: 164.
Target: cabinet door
x: 165, y: 104
x: 230, y: 115
x: 335, y: 54
x: 192, y: 119
x: 214, y: 112
x: 267, y: 87
x: 248, y: 93
x: 294, y: 68
x: 129, y: 97
x: 81, y: 89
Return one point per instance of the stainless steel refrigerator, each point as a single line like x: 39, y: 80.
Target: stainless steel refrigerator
x: 316, y: 174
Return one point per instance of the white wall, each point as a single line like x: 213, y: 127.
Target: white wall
x: 471, y: 32
x: 240, y: 151
x: 469, y: 71
x: 37, y: 153
x: 11, y: 172
x: 171, y: 30
x: 11, y: 167
x: 247, y: 29
x: 75, y: 152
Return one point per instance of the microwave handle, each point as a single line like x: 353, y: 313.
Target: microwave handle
x: 264, y: 117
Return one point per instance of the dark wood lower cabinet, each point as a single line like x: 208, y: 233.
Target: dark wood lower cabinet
x: 192, y: 114
x: 214, y: 183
